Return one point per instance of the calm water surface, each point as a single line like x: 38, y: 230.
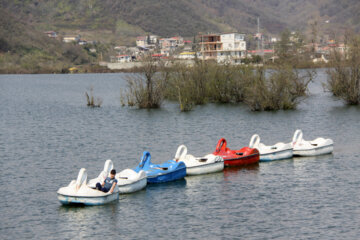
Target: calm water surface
x: 47, y: 134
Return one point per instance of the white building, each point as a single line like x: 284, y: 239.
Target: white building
x: 121, y: 58
x: 233, y: 48
x: 68, y: 39
x: 146, y: 41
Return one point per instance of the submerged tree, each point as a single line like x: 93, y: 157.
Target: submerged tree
x: 145, y: 90
x: 344, y: 76
x: 283, y: 89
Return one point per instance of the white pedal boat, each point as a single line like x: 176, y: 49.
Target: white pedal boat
x: 278, y: 151
x: 128, y: 180
x: 108, y: 166
x: 199, y: 165
x: 78, y: 192
x: 316, y: 147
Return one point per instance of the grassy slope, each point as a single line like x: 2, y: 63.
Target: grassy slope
x: 22, y: 22
x: 185, y: 17
x: 24, y: 49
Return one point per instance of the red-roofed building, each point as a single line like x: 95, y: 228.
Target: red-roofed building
x: 168, y: 45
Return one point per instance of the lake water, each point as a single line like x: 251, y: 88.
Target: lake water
x: 47, y: 134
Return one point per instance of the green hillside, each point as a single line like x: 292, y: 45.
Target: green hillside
x: 118, y: 22
x: 25, y: 49
x: 121, y: 20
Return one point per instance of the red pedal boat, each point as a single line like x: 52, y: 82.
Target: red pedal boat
x: 240, y: 157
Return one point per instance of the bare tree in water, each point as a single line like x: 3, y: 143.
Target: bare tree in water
x: 145, y: 89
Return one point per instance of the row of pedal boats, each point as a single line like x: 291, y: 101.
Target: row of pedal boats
x: 81, y: 191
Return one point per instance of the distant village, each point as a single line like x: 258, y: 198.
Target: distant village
x: 220, y: 47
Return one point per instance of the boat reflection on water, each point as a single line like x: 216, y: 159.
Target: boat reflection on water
x: 177, y: 184
x: 82, y: 218
x: 301, y: 162
x: 230, y: 172
x: 311, y: 158
x: 199, y: 188
x: 199, y: 180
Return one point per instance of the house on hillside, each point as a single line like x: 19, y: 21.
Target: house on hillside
x: 69, y: 39
x: 51, y: 34
x: 169, y: 45
x: 121, y: 58
x: 149, y: 41
x: 228, y: 47
x: 140, y: 41
x: 82, y: 42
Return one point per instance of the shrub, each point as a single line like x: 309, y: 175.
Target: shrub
x: 145, y: 89
x: 91, y: 100
x: 283, y: 89
x: 344, y: 76
x: 181, y: 87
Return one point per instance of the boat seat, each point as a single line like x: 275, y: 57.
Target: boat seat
x: 162, y: 168
x: 202, y: 159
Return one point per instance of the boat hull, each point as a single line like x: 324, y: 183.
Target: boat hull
x: 88, y: 201
x: 205, y: 168
x: 233, y: 158
x: 279, y: 155
x: 314, y: 151
x: 239, y: 161
x: 132, y: 187
x: 167, y: 177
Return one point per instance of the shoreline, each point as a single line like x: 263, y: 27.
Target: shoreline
x: 104, y: 69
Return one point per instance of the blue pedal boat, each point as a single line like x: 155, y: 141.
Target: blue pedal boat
x: 158, y: 173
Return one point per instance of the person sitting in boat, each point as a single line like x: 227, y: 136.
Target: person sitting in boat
x: 109, y: 183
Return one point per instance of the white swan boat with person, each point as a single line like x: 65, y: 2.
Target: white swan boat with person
x: 210, y: 163
x: 108, y: 166
x: 128, y: 180
x: 318, y: 146
x: 79, y: 193
x: 277, y: 151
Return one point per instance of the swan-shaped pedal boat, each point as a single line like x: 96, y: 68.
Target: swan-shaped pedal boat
x: 202, y: 165
x: 240, y: 157
x: 269, y: 153
x: 165, y: 172
x: 78, y: 192
x: 108, y: 166
x: 316, y: 147
x: 128, y: 180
